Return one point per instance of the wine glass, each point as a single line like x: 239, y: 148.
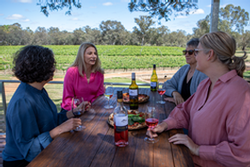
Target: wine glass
x: 151, y: 119
x: 108, y: 94
x: 161, y: 91
x: 76, y: 101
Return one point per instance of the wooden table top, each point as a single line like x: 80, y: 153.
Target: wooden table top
x: 94, y: 146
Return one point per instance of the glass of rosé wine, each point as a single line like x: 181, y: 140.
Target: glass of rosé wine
x: 108, y: 94
x: 161, y: 92
x: 151, y: 119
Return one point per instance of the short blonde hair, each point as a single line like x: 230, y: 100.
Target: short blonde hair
x: 224, y: 47
x: 80, y: 63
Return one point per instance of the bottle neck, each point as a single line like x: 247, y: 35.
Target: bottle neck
x: 154, y: 71
x: 133, y: 81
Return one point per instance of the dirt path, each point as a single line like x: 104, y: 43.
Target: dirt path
x: 143, y: 75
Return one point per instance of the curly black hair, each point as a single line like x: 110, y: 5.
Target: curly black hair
x: 34, y: 63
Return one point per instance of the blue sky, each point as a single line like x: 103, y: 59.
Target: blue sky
x: 93, y: 12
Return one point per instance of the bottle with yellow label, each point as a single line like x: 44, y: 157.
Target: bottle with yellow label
x: 133, y: 94
x: 154, y: 80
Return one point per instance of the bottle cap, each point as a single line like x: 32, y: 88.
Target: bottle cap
x: 154, y: 65
x: 119, y: 95
x: 133, y: 75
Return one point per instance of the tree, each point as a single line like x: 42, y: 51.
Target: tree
x: 111, y: 31
x: 245, y: 40
x: 144, y: 23
x: 203, y: 27
x: 92, y: 35
x: 66, y: 38
x: 27, y: 36
x: 231, y: 19
x: 54, y: 36
x: 78, y: 36
x: 14, y: 34
x: 237, y: 17
x: 124, y: 37
x: 40, y: 36
x: 177, y: 38
x: 55, y: 5
x: 163, y: 8
x: 159, y: 36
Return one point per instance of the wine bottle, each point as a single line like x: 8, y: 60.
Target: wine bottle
x: 120, y: 122
x: 133, y: 94
x: 154, y: 80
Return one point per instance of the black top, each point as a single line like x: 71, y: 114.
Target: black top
x: 185, y: 91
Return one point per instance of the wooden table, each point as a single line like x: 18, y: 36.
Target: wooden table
x: 94, y: 146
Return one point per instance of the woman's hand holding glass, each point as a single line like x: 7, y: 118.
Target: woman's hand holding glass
x: 152, y: 132
x: 151, y: 119
x: 84, y: 106
x: 79, y: 106
x: 66, y: 126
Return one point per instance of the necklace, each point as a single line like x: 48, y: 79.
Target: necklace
x: 191, y: 71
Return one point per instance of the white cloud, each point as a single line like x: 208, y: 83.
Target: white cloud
x: 25, y: 20
x: 15, y: 17
x: 127, y: 1
x: 25, y: 1
x: 199, y: 11
x: 75, y: 19
x: 107, y: 4
x: 181, y: 17
x: 209, y: 6
x: 1, y: 14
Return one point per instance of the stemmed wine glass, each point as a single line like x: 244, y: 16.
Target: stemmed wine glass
x: 161, y: 91
x: 108, y: 94
x: 76, y: 101
x: 151, y: 119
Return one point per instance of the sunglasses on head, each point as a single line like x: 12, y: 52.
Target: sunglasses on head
x: 190, y: 52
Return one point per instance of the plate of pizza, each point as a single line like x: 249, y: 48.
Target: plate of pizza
x: 136, y: 120
x: 142, y: 98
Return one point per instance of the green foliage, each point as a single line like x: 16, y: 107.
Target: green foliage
x: 112, y: 56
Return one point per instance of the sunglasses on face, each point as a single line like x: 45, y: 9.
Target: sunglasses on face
x: 196, y: 51
x: 190, y: 52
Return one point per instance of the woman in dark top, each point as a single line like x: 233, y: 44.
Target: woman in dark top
x: 186, y: 80
x: 32, y: 120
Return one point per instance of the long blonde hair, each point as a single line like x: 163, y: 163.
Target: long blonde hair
x: 224, y: 47
x: 80, y: 63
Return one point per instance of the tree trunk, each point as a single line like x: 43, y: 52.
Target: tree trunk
x: 215, y: 6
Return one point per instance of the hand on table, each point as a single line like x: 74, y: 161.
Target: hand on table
x: 169, y: 99
x: 177, y: 98
x: 187, y: 141
x: 158, y: 129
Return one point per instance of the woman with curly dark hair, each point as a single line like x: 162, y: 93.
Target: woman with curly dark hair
x: 32, y: 120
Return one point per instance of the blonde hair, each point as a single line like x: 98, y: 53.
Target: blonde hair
x: 80, y: 63
x: 224, y: 47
